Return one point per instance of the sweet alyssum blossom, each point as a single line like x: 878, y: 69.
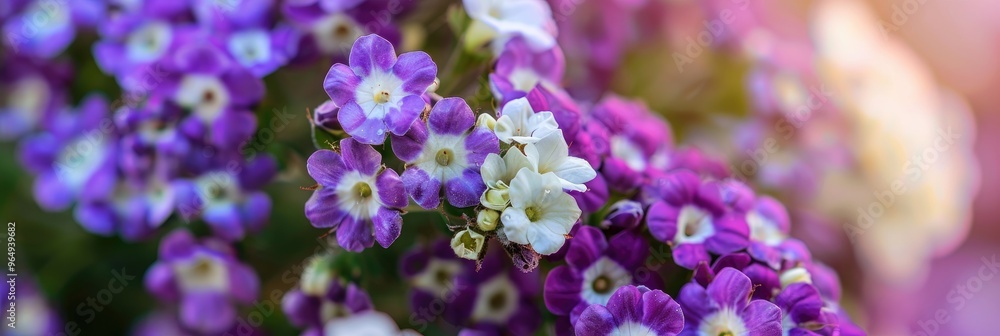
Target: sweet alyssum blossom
x: 633, y: 311
x: 520, y: 123
x: 357, y: 197
x: 379, y: 92
x: 541, y: 213
x: 444, y: 155
x: 725, y: 308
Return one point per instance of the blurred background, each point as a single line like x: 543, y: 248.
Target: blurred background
x: 875, y: 122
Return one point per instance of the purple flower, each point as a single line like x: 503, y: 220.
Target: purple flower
x: 36, y: 315
x: 34, y: 92
x: 595, y: 268
x: 765, y: 279
x: 332, y: 26
x: 802, y: 308
x: 205, y: 278
x: 691, y: 217
x: 357, y: 197
x: 312, y: 312
x: 623, y: 215
x: 133, y: 210
x: 445, y: 154
x: 498, y: 298
x: 519, y: 69
x: 638, y: 144
x: 725, y: 308
x: 431, y: 272
x: 325, y: 116
x: 632, y: 310
x: 44, y: 28
x: 230, y: 200
x: 260, y: 50
x: 379, y: 92
x: 75, y: 158
x: 769, y: 230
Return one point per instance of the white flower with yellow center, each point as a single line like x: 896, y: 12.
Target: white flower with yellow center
x: 551, y: 153
x: 541, y: 213
x: 520, y: 123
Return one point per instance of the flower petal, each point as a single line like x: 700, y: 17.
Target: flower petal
x: 399, y: 121
x: 357, y: 123
x: 388, y: 225
x: 451, y: 116
x: 417, y: 71
x: 360, y: 157
x: 464, y: 191
x: 391, y: 191
x: 372, y: 53
x: 424, y: 189
x: 340, y: 84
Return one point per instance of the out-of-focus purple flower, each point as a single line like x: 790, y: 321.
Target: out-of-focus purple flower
x: 34, y: 315
x: 322, y: 297
x: 236, y: 14
x: 623, y: 215
x: 44, y: 28
x: 497, y: 299
x: 445, y: 154
x: 379, y: 92
x: 765, y: 279
x: 724, y: 307
x: 331, y: 29
x: 204, y: 278
x: 261, y: 50
x: 164, y: 323
x: 35, y: 90
x: 357, y: 197
x: 769, y: 230
x: 519, y: 69
x: 595, y: 268
x: 691, y: 217
x: 803, y: 314
x: 373, y: 323
x: 132, y: 210
x: 632, y: 310
x: 431, y: 272
x: 139, y: 35
x: 229, y: 200
x: 639, y: 141
x: 75, y: 158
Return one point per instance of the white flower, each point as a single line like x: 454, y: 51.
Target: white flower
x: 520, y: 123
x: 501, y: 20
x: 541, y: 213
x: 369, y: 323
x: 497, y: 173
x: 552, y: 156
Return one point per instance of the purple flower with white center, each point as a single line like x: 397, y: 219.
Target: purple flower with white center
x: 205, y: 278
x: 639, y: 141
x: 519, y: 69
x: 724, y: 307
x: 595, y: 268
x: 445, y: 155
x: 44, y: 28
x: 233, y: 13
x: 230, y: 201
x: 137, y: 37
x: 803, y: 314
x: 75, y: 159
x: 34, y: 315
x: 323, y: 297
x: 333, y: 28
x: 690, y: 216
x: 260, y: 50
x: 431, y: 272
x: 132, y: 210
x: 765, y: 279
x: 498, y: 299
x: 632, y: 310
x: 697, y: 161
x: 357, y: 197
x: 769, y: 229
x: 34, y: 92
x: 379, y: 92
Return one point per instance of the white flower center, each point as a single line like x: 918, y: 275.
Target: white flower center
x: 443, y: 156
x: 602, y: 279
x: 335, y: 34
x: 79, y: 160
x: 764, y: 230
x: 202, y: 272
x: 357, y: 194
x: 627, y: 151
x: 206, y: 96
x: 250, y: 47
x: 437, y: 278
x: 218, y: 188
x: 694, y: 225
x: 723, y: 323
x: 149, y: 42
x: 378, y: 92
x: 330, y: 311
x: 524, y: 79
x: 27, y: 97
x: 631, y: 328
x: 46, y: 18
x: 496, y: 301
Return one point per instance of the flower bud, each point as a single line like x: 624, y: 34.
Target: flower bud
x: 467, y: 244
x: 325, y: 116
x: 486, y: 120
x: 624, y: 214
x: 487, y: 220
x: 795, y: 275
x: 496, y: 198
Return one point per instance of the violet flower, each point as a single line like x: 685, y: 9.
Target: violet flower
x: 497, y: 299
x: 520, y: 69
x: 379, y: 92
x: 691, y: 217
x: 639, y: 141
x: 595, y: 268
x: 312, y: 312
x: 230, y: 201
x: 357, y: 197
x: 802, y: 308
x: 205, y: 278
x: 724, y: 307
x: 632, y: 310
x: 431, y: 272
x: 444, y: 156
